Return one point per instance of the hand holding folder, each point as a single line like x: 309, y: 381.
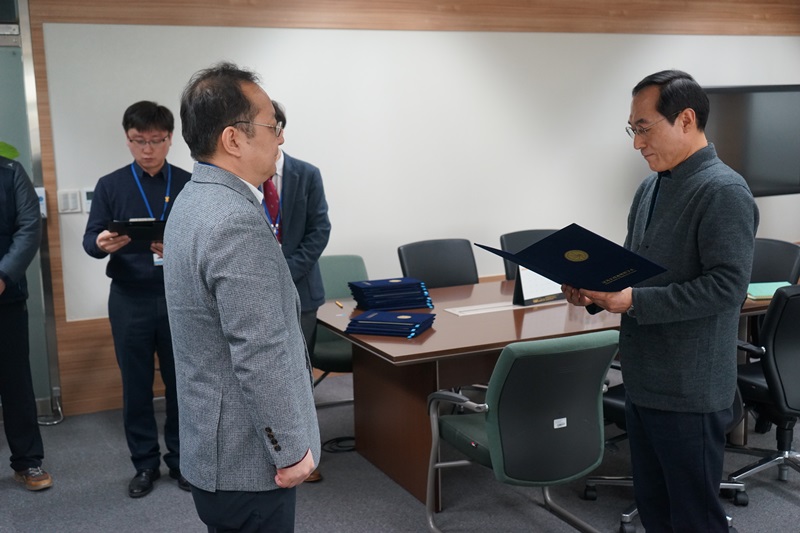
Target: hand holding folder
x: 577, y: 257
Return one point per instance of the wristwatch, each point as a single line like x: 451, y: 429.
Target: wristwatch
x: 630, y: 312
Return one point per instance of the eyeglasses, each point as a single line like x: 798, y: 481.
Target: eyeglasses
x: 278, y: 127
x: 141, y: 143
x: 642, y: 132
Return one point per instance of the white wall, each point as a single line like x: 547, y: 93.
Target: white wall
x: 418, y: 134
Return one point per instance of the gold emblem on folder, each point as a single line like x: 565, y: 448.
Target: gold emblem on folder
x: 576, y: 256
x: 403, y: 317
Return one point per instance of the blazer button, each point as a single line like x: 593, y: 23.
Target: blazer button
x: 274, y: 441
x: 277, y: 448
x: 268, y: 429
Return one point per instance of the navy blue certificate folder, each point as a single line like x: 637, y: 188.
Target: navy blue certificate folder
x: 392, y: 293
x: 575, y: 256
x: 407, y: 325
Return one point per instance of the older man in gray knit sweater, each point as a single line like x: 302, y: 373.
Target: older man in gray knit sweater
x: 696, y: 217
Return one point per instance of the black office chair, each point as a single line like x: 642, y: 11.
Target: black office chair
x: 517, y: 241
x: 439, y: 262
x: 773, y: 260
x: 541, y: 423
x: 771, y: 386
x: 332, y: 353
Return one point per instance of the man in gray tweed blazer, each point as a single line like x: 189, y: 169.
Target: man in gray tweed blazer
x: 696, y: 217
x: 248, y: 425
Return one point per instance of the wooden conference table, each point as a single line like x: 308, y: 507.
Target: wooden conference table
x: 392, y: 377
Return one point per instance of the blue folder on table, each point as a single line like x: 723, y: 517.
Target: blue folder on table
x: 382, y: 286
x: 391, y: 293
x: 398, y: 324
x: 578, y: 257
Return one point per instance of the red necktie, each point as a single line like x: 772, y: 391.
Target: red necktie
x: 272, y: 203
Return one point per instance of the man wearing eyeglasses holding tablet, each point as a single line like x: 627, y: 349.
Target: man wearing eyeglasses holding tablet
x: 142, y: 189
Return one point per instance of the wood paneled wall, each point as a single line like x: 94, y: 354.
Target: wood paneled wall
x: 89, y: 375
x: 733, y: 17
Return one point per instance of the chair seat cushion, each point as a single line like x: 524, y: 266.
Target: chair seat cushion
x: 614, y: 405
x: 333, y: 356
x: 467, y: 434
x: 753, y: 384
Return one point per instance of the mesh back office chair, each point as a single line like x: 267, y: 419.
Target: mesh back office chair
x: 332, y: 353
x: 771, y: 386
x: 542, y: 422
x: 519, y: 240
x: 439, y: 262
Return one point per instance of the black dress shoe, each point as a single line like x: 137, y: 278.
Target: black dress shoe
x: 142, y: 482
x: 175, y: 473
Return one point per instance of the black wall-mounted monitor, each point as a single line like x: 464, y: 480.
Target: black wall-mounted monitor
x: 756, y: 131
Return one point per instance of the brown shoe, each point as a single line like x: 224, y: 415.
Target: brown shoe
x: 315, y: 476
x: 34, y: 478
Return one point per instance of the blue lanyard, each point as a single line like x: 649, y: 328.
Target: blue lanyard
x: 144, y: 197
x: 274, y: 225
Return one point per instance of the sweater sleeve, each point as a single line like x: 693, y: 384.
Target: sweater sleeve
x: 725, y: 233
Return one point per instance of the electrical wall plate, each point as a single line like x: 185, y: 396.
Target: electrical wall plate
x: 69, y: 201
x: 86, y: 198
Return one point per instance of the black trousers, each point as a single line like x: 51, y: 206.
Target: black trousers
x: 677, y: 467
x: 246, y: 512
x: 308, y: 323
x: 140, y: 327
x: 16, y: 388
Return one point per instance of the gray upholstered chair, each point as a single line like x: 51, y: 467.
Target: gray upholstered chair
x: 519, y: 240
x: 541, y: 423
x: 439, y: 262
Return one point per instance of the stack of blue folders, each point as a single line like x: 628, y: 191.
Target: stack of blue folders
x: 389, y: 294
x: 393, y: 323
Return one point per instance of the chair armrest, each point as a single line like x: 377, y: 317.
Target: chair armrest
x: 757, y: 351
x: 455, y: 398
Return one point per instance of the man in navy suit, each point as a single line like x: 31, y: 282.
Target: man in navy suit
x: 303, y: 230
x: 302, y: 226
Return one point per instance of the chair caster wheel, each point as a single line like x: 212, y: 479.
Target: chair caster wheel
x: 627, y: 527
x: 741, y: 499
x: 590, y: 493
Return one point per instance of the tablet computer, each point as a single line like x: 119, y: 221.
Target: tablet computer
x: 139, y: 229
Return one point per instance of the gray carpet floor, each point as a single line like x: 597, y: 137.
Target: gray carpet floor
x: 89, y: 462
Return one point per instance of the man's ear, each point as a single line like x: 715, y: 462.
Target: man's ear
x: 230, y: 141
x: 688, y: 119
